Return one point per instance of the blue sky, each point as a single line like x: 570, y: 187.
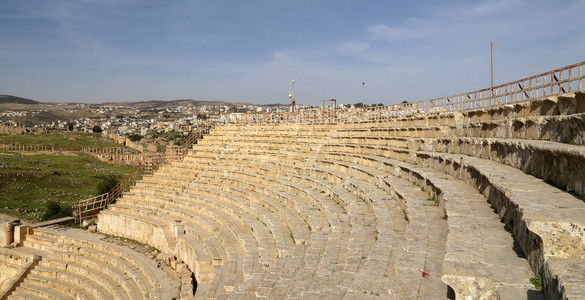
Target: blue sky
x: 131, y: 50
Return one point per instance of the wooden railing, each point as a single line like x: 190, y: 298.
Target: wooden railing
x: 555, y: 82
x: 90, y: 208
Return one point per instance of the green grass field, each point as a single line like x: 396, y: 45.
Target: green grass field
x: 28, y: 180
x: 60, y: 139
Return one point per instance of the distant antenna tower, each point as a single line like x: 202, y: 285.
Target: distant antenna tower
x: 292, y: 97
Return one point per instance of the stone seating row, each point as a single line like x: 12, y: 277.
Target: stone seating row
x: 381, y: 237
x: 299, y: 233
x: 359, y: 184
x: 574, y: 219
x: 76, y: 265
x: 526, y: 282
x: 547, y: 223
x: 544, y: 159
x: 213, y: 248
x: 561, y: 105
x: 569, y: 288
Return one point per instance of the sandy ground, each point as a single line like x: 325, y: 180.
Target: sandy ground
x: 7, y: 218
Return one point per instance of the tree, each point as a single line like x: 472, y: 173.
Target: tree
x: 96, y: 129
x: 70, y: 126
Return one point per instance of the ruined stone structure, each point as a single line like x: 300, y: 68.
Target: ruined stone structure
x: 370, y: 209
x: 469, y: 204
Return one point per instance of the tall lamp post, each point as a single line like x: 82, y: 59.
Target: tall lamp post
x: 292, y: 97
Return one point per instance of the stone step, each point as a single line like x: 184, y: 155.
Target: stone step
x: 42, y: 291
x: 442, y: 187
x: 522, y: 208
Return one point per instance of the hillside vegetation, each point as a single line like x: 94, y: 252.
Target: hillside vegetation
x: 14, y: 99
x: 29, y: 181
x: 60, y: 139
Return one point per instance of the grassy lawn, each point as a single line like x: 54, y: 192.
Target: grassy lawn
x: 61, y: 140
x: 28, y: 180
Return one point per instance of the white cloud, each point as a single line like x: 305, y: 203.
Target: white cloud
x: 391, y: 34
x: 354, y: 47
x: 494, y: 6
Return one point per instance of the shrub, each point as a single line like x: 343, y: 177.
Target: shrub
x: 107, y: 184
x: 537, y: 281
x: 135, y: 137
x: 56, y: 211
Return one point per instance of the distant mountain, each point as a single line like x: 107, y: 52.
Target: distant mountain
x: 14, y: 99
x: 171, y: 103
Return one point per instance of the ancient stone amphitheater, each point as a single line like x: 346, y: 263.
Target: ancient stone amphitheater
x: 464, y: 197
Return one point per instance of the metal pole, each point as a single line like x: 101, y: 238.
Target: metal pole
x: 363, y: 94
x: 492, y: 67
x: 292, y: 97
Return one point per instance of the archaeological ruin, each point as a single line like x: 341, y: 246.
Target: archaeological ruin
x: 473, y: 196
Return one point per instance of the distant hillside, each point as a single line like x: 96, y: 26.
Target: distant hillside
x: 172, y: 103
x: 14, y: 99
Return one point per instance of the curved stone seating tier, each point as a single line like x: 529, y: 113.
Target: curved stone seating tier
x: 297, y: 238
x: 568, y: 225
x: 76, y: 264
x: 549, y: 161
x: 547, y: 223
x: 544, y: 159
x: 523, y: 281
x: 382, y: 243
x: 299, y: 234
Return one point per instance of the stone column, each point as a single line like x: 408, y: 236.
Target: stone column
x: 8, y: 234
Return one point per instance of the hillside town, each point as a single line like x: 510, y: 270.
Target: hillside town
x: 139, y: 120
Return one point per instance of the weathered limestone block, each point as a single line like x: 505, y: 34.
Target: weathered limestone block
x: 20, y: 231
x: 478, y: 115
x: 567, y: 104
x: 566, y: 278
x: 580, y: 101
x: 521, y: 110
x: 564, y: 129
x: 471, y: 287
x: 197, y: 260
x: 532, y: 129
x: 544, y: 107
